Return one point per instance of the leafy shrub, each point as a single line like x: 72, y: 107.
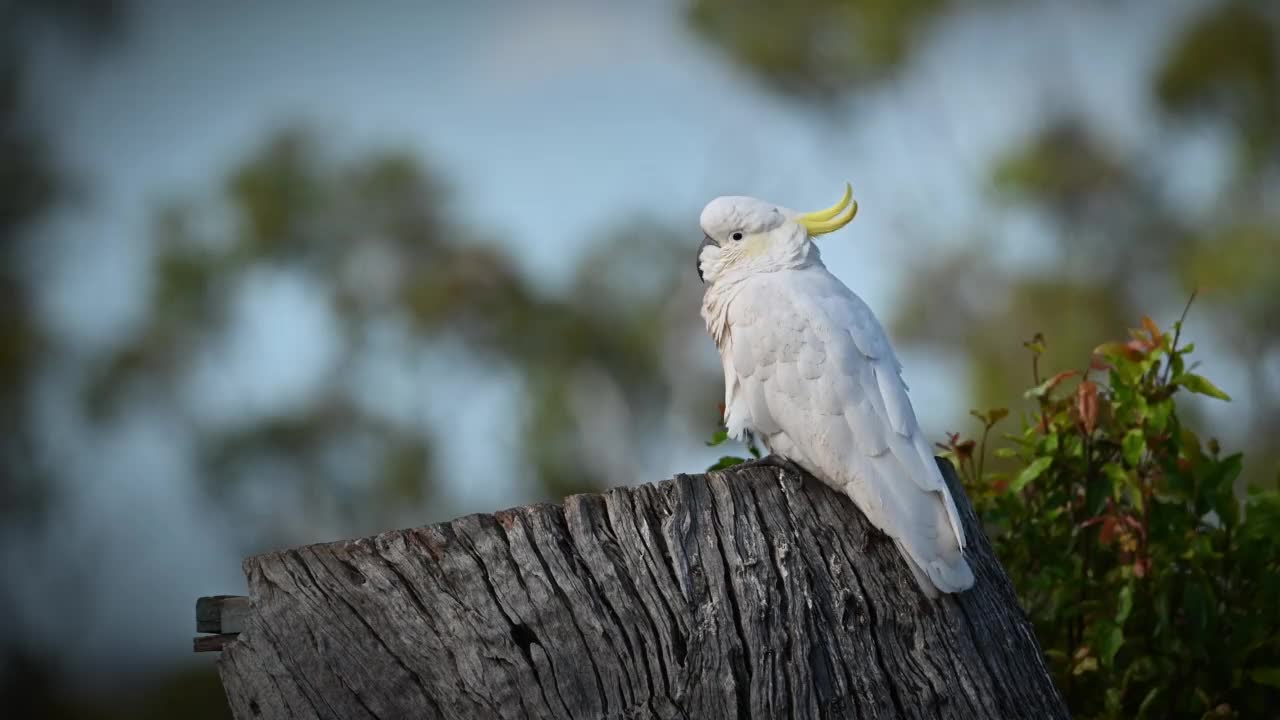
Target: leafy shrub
x: 1153, y: 588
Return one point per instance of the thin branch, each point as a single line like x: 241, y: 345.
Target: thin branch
x: 1177, y: 335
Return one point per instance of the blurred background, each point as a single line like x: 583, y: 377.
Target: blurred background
x: 281, y: 273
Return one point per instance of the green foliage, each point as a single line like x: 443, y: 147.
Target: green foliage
x: 1152, y: 586
x: 814, y: 49
x: 727, y: 461
x: 1064, y: 165
x: 1228, y: 64
x: 32, y: 183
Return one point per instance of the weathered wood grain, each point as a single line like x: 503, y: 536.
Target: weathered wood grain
x: 750, y: 593
x: 221, y: 613
x: 212, y: 643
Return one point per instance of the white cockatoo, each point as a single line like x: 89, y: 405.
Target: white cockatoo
x: 809, y: 370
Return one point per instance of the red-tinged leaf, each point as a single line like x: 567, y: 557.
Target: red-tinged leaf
x: 1139, y: 347
x: 1117, y: 349
x: 1057, y: 379
x: 1108, y: 531
x: 1098, y: 362
x: 1045, y: 387
x: 722, y: 409
x: 1141, y: 566
x: 965, y: 449
x: 1087, y: 405
x: 1150, y: 326
x: 1000, y: 485
x: 1184, y: 464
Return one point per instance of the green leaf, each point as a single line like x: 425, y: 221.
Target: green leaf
x: 995, y: 415
x: 1005, y: 452
x: 1111, y: 643
x: 1269, y: 676
x: 1050, y: 444
x: 1088, y: 664
x: 1115, y: 474
x: 1197, y: 604
x: 1230, y: 468
x: 720, y: 437
x: 1096, y: 493
x: 727, y: 461
x: 1176, y: 363
x: 1114, y: 699
x: 1124, y: 605
x: 1036, y: 344
x: 1135, y: 497
x: 1147, y: 701
x: 1132, y: 446
x: 1158, y: 415
x: 1117, y: 480
x: 1073, y: 446
x: 1030, y: 472
x: 1200, y: 385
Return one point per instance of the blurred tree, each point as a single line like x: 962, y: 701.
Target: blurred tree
x: 376, y: 241
x: 817, y: 49
x: 31, y: 184
x: 1122, y: 246
x: 33, y: 682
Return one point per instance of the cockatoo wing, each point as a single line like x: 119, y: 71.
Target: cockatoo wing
x: 808, y: 367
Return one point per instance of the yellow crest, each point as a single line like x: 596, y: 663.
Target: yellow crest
x: 833, y: 218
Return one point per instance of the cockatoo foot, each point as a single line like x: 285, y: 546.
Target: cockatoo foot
x: 774, y: 460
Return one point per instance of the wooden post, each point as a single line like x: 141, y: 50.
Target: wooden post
x: 749, y: 593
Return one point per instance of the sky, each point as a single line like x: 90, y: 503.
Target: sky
x: 552, y: 120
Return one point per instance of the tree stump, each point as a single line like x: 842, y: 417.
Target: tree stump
x: 755, y: 592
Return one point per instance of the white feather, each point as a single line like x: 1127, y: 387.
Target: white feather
x: 813, y: 372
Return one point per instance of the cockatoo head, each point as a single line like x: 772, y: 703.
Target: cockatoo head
x: 743, y: 235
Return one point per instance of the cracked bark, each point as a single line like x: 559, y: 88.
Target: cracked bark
x: 750, y: 593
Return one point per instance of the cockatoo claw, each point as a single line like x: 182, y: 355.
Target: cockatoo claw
x: 777, y: 461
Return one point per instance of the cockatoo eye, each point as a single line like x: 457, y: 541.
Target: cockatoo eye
x: 737, y: 236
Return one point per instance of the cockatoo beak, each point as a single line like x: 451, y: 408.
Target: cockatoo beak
x: 706, y: 240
